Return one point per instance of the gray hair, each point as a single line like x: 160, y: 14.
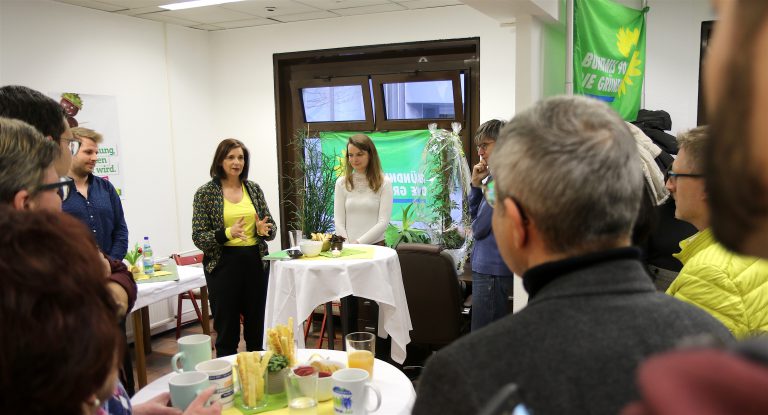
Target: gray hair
x: 489, y: 129
x: 24, y: 156
x: 572, y: 165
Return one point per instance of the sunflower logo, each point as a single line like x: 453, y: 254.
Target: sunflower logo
x: 626, y: 40
x: 341, y: 164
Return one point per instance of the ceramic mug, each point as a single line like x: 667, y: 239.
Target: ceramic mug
x: 350, y: 392
x: 192, y: 350
x: 219, y: 374
x: 185, y: 387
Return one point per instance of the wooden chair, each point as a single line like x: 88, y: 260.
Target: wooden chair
x: 335, y: 306
x: 192, y: 295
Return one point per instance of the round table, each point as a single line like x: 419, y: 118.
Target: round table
x: 397, y: 393
x: 296, y: 287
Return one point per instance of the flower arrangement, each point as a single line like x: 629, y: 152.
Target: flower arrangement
x: 133, y: 256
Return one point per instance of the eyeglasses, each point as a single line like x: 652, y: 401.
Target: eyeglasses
x: 489, y: 191
x: 74, y: 145
x: 63, y: 186
x: 672, y: 176
x: 484, y: 146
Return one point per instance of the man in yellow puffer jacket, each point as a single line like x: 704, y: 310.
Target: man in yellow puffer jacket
x: 731, y: 287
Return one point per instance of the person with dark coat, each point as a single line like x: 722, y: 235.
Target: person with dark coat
x: 566, y: 192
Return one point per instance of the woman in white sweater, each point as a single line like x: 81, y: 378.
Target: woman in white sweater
x: 363, y: 200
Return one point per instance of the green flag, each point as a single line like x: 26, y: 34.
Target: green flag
x: 400, y: 154
x: 609, y: 54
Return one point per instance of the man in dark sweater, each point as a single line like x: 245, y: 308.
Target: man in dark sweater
x: 566, y: 193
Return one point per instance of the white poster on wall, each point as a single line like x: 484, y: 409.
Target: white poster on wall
x: 99, y: 113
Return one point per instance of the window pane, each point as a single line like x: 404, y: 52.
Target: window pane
x: 419, y: 100
x: 334, y: 103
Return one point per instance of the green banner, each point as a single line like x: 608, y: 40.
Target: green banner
x: 609, y: 54
x: 400, y: 153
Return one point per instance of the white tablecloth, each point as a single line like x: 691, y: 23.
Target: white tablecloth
x: 397, y: 393
x: 296, y: 287
x: 190, y: 277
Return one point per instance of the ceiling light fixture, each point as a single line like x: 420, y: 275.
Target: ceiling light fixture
x: 195, y: 3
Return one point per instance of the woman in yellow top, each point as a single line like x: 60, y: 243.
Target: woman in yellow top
x: 231, y: 224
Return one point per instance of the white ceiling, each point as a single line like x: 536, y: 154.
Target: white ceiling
x: 254, y: 12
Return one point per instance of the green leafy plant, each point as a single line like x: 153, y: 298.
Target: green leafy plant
x: 277, y: 363
x: 134, y: 255
x: 447, y: 174
x: 406, y: 233
x: 310, y: 187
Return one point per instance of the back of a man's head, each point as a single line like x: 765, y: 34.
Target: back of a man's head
x: 24, y: 156
x: 572, y: 165
x: 34, y: 108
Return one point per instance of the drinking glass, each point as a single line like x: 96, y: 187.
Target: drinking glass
x: 361, y: 349
x: 301, y: 391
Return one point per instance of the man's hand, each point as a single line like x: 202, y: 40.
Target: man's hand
x: 479, y: 172
x: 197, y: 406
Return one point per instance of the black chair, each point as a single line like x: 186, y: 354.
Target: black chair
x: 434, y: 298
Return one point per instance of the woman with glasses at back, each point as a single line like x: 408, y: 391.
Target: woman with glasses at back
x: 491, y: 279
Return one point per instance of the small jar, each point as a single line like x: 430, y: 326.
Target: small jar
x: 335, y: 253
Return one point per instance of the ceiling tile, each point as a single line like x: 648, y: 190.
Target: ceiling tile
x: 140, y: 10
x: 246, y: 23
x: 209, y: 14
x: 208, y: 27
x: 423, y: 4
x: 341, y: 4
x: 135, y: 4
x: 306, y: 16
x: 259, y: 7
x: 167, y: 18
x: 379, y: 8
x: 92, y: 4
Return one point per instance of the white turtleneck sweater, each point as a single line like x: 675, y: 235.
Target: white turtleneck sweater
x: 362, y: 215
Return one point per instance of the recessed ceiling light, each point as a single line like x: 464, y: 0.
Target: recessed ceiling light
x: 195, y: 3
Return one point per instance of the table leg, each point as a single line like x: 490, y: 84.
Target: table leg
x: 145, y: 332
x: 138, y: 343
x: 329, y: 323
x: 206, y: 312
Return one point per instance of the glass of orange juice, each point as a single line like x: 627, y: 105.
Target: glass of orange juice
x: 361, y: 348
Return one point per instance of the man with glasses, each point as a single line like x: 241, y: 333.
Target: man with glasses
x: 95, y: 201
x: 733, y: 288
x: 28, y: 178
x: 43, y: 113
x: 566, y: 192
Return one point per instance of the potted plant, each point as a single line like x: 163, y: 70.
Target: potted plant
x: 277, y: 369
x: 447, y: 174
x: 133, y: 256
x: 393, y: 236
x: 310, y: 188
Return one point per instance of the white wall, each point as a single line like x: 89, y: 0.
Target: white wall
x: 243, y: 79
x: 56, y: 47
x: 672, y: 67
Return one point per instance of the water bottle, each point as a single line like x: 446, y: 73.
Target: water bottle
x: 149, y: 261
